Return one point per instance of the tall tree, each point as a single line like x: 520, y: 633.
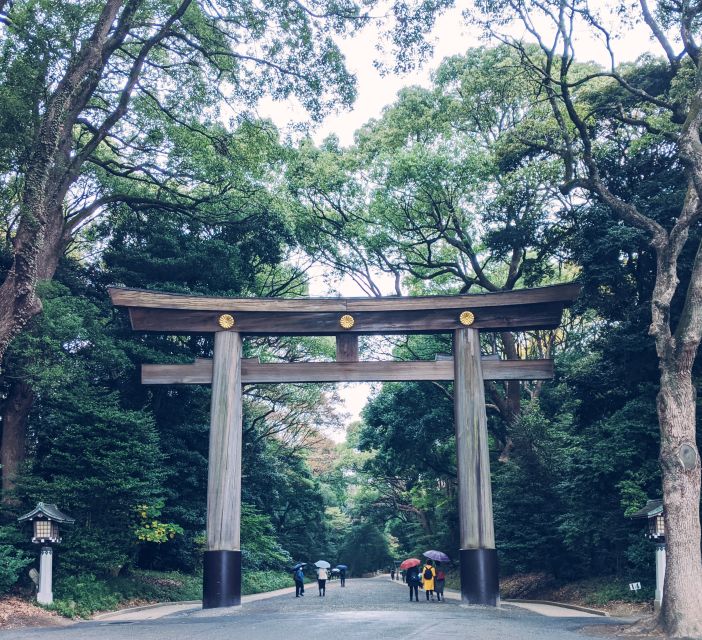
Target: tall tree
x: 90, y: 63
x: 427, y: 196
x: 593, y: 109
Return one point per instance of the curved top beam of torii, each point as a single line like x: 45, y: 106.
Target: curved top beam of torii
x: 522, y: 309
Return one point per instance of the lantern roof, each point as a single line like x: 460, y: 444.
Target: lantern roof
x: 652, y: 508
x: 48, y: 511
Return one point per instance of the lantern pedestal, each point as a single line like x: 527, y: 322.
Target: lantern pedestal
x: 45, y: 594
x: 660, y: 576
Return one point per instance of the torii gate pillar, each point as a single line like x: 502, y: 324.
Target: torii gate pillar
x: 222, y: 564
x: 479, y: 574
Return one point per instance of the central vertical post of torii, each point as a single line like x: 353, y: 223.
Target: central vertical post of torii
x: 479, y: 577
x: 222, y: 564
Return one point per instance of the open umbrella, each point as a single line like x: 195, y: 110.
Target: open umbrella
x: 436, y: 555
x: 341, y: 567
x: 322, y: 564
x: 298, y: 565
x: 410, y: 562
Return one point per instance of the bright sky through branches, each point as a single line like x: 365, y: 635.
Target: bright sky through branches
x: 451, y: 35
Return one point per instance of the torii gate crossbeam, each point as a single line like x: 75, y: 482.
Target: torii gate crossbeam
x: 232, y: 319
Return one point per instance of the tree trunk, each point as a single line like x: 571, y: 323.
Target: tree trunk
x: 15, y: 412
x: 18, y: 300
x: 681, y: 610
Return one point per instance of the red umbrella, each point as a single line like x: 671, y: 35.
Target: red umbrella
x: 410, y: 562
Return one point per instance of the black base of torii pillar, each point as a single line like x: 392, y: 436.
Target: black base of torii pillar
x: 479, y: 569
x: 222, y: 563
x: 221, y: 579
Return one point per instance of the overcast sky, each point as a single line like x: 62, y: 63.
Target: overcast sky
x: 450, y: 36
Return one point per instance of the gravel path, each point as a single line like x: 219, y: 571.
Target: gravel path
x: 374, y: 609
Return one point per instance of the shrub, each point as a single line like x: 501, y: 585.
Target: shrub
x: 82, y: 595
x: 262, y: 581
x: 12, y: 561
x: 618, y: 590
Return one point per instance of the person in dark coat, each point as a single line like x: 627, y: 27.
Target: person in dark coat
x: 342, y: 577
x: 299, y: 577
x: 413, y: 580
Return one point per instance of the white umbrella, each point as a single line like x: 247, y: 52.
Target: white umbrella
x: 322, y: 564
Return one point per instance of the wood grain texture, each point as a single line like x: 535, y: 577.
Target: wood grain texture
x: 224, y: 466
x: 252, y: 372
x: 347, y: 347
x: 496, y: 318
x: 158, y: 300
x: 473, y: 462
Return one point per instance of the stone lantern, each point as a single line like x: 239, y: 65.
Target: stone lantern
x: 45, y: 519
x: 655, y: 514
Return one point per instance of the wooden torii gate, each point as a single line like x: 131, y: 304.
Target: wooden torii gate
x: 231, y: 319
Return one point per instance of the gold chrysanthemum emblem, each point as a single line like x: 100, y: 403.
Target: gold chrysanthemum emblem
x: 226, y: 321
x: 347, y: 321
x: 466, y: 318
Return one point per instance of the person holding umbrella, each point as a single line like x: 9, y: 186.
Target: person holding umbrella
x: 342, y: 573
x: 299, y: 578
x: 440, y: 576
x: 322, y: 576
x: 410, y: 566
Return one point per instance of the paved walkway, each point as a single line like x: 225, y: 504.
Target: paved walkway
x: 163, y: 610
x: 550, y: 610
x: 374, y: 609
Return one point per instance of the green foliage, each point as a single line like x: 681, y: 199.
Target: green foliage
x: 12, y: 562
x: 93, y: 457
x: 148, y: 529
x: 16, y: 554
x: 365, y: 549
x: 80, y: 596
x: 85, y: 594
x: 603, y: 592
x: 260, y: 546
x: 262, y: 581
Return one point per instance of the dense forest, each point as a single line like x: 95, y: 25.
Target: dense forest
x: 456, y: 188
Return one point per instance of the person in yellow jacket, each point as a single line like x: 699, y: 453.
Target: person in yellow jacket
x: 428, y: 575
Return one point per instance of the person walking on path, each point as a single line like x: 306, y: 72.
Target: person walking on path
x: 428, y: 575
x: 412, y: 579
x: 439, y: 583
x: 322, y: 576
x: 299, y: 578
x: 392, y: 574
x: 342, y: 577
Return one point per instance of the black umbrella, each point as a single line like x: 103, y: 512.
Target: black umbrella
x: 298, y: 565
x: 341, y: 566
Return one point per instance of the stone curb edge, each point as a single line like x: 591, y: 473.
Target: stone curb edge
x: 107, y: 614
x: 576, y: 607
